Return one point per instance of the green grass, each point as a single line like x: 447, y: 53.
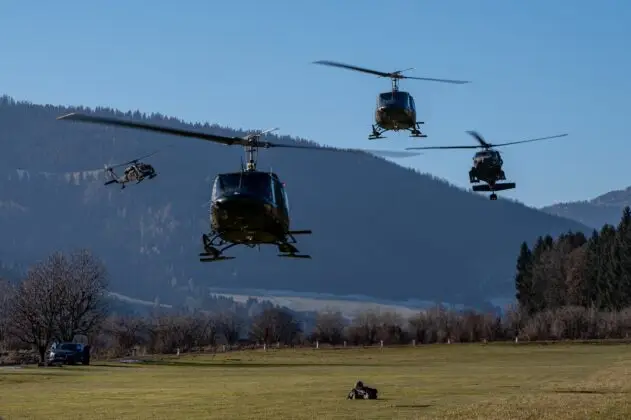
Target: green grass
x: 439, y: 381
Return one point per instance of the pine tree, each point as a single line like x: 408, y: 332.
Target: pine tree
x: 607, y: 267
x: 623, y: 260
x: 523, y: 278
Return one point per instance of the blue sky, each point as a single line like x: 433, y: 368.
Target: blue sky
x: 538, y: 68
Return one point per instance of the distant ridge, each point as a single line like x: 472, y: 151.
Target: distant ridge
x: 380, y: 230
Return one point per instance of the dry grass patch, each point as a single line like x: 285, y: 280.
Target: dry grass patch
x: 437, y: 381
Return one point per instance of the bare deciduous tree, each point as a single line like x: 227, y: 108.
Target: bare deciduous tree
x: 364, y: 328
x: 60, y: 298
x: 329, y: 327
x: 6, y: 292
x: 127, y: 332
x: 83, y: 291
x: 274, y: 325
x: 36, y: 306
x: 229, y: 324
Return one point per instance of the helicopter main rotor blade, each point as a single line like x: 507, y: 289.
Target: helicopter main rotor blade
x: 133, y: 160
x: 228, y: 141
x: 456, y: 82
x: 483, y: 144
x: 387, y: 153
x: 479, y: 138
x: 530, y: 140
x: 250, y: 140
x: 443, y: 147
x: 356, y: 68
x: 392, y: 75
x: 269, y: 130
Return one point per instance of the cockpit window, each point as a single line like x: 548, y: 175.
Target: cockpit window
x: 400, y: 99
x: 254, y: 183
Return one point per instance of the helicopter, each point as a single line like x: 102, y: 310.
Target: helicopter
x: 487, y: 163
x: 136, y: 171
x: 248, y: 207
x: 395, y: 110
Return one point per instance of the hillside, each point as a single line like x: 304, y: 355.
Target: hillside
x: 379, y: 229
x: 603, y: 209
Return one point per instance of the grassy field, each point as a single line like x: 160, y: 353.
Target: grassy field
x: 440, y: 381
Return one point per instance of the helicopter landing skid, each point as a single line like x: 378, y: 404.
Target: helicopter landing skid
x: 496, y: 187
x: 376, y: 133
x: 303, y: 256
x: 290, y: 251
x: 212, y: 258
x: 211, y: 253
x: 416, y: 132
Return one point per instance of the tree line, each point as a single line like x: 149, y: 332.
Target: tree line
x: 568, y: 288
x: 577, y: 271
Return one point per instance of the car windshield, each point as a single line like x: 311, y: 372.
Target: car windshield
x: 68, y: 346
x: 254, y: 183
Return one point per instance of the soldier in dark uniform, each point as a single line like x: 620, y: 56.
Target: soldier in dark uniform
x: 361, y: 392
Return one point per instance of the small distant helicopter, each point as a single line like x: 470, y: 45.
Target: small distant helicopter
x: 136, y: 171
x: 395, y: 110
x: 487, y: 164
x: 248, y: 207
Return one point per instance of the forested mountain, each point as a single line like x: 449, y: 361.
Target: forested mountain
x: 595, y: 213
x: 378, y: 229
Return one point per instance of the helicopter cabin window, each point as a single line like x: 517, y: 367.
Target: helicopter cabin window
x: 216, y: 188
x: 255, y: 183
x: 411, y: 100
x: 398, y: 99
x: 279, y: 193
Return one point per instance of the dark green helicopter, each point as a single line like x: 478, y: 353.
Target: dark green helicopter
x: 395, y: 109
x: 487, y: 163
x: 248, y: 207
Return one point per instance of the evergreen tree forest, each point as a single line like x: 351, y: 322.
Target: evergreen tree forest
x: 575, y: 286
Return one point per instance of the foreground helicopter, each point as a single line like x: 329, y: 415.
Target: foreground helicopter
x: 136, y: 171
x: 248, y: 207
x: 395, y: 109
x: 487, y: 164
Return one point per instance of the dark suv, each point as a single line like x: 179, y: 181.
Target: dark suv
x: 69, y: 354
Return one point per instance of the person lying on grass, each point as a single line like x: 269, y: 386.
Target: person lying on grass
x: 361, y: 392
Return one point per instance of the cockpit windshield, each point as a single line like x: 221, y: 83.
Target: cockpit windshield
x: 252, y: 183
x: 486, y: 154
x: 399, y: 99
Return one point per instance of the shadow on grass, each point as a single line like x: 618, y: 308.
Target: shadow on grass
x: 587, y: 391
x: 117, y: 365
x: 241, y: 364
